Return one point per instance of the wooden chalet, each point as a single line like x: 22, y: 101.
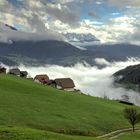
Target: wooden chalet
x: 43, y: 79
x: 14, y: 71
x: 64, y: 84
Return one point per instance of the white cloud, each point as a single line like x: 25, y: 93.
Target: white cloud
x: 99, y: 2
x: 64, y: 16
x: 91, y: 80
x: 3, y: 2
x: 7, y: 35
x: 33, y: 11
x: 115, y: 30
x: 101, y: 61
x: 124, y: 3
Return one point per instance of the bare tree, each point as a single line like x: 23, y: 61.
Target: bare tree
x: 133, y: 116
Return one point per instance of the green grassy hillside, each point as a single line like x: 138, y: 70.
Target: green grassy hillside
x: 17, y: 133
x: 129, y: 136
x: 24, y: 103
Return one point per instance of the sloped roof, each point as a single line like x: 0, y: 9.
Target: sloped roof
x: 42, y: 78
x: 15, y: 71
x: 65, y: 82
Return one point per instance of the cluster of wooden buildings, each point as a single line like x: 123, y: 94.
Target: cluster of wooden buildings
x: 14, y: 71
x: 59, y: 83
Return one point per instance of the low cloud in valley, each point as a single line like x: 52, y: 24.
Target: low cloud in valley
x: 93, y: 81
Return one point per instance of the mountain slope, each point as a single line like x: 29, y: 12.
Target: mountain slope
x: 130, y: 74
x: 62, y: 53
x: 25, y: 103
x: 43, y: 52
x: 115, y: 52
x: 37, y: 49
x: 17, y: 47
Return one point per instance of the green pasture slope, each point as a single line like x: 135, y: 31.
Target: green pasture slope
x: 17, y: 133
x: 129, y: 136
x: 25, y: 104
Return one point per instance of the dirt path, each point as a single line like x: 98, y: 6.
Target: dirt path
x: 116, y: 136
x: 117, y: 133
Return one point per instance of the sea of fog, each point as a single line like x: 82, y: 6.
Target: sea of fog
x: 93, y: 81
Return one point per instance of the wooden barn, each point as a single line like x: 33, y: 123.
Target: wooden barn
x: 64, y: 84
x: 14, y: 71
x: 43, y: 79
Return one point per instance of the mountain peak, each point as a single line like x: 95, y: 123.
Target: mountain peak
x: 83, y: 37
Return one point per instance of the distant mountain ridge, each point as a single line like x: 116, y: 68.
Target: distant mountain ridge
x: 17, y: 47
x: 83, y: 37
x: 116, y: 52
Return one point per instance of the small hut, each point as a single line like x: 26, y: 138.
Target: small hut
x: 14, y: 71
x: 43, y: 79
x: 65, y: 84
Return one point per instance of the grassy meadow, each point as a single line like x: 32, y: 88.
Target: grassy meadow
x: 37, y: 109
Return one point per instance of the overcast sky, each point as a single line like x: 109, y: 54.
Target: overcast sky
x: 108, y: 20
